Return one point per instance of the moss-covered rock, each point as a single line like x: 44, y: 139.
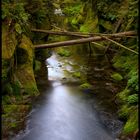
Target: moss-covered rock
x: 24, y: 72
x: 117, y: 76
x: 85, y: 86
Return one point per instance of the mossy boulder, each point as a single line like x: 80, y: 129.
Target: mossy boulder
x: 85, y: 86
x: 116, y: 76
x: 76, y: 74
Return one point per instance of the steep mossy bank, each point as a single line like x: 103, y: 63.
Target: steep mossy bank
x: 20, y: 61
x: 18, y: 81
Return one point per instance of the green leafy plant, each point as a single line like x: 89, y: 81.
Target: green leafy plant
x: 132, y: 99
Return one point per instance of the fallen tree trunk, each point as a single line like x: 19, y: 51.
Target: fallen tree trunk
x: 80, y: 34
x: 63, y: 33
x: 68, y: 43
x: 83, y: 40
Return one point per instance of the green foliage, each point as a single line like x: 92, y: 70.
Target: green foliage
x: 40, y: 10
x: 72, y: 10
x: 9, y: 88
x: 117, y: 76
x: 132, y: 124
x: 15, y: 12
x: 132, y: 99
x: 107, y: 9
x: 133, y: 80
x: 123, y: 95
x: 40, y: 16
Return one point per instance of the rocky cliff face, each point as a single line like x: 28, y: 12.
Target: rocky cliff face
x: 18, y: 80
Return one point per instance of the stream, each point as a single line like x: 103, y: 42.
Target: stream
x: 64, y: 112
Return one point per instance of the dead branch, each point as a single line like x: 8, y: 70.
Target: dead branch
x: 122, y: 46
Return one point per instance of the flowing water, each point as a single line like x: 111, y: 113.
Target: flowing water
x: 64, y: 112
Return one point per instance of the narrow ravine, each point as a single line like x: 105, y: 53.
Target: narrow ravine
x: 64, y: 112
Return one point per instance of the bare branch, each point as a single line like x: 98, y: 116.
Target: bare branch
x: 119, y: 44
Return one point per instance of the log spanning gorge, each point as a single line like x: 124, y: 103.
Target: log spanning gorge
x: 91, y: 37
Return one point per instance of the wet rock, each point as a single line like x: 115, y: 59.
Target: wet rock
x: 59, y: 65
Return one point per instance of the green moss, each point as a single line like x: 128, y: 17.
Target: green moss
x: 132, y: 123
x: 37, y: 65
x: 24, y: 72
x: 124, y: 111
x: 76, y: 74
x: 9, y: 89
x: 74, y: 21
x: 9, y: 42
x: 63, y: 52
x: 16, y: 87
x: 13, y: 118
x: 90, y: 26
x: 106, y: 24
x: 85, y: 86
x: 117, y: 76
x: 79, y: 19
x: 31, y: 88
x: 123, y: 95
